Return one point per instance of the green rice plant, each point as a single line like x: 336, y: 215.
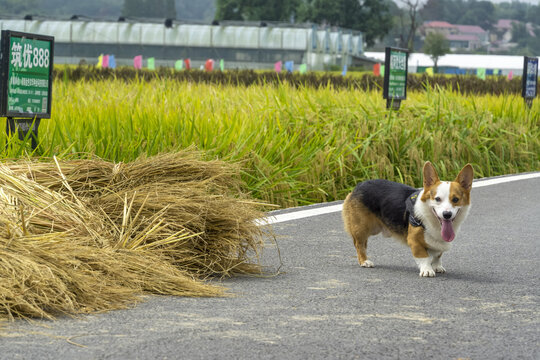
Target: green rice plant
x: 296, y: 144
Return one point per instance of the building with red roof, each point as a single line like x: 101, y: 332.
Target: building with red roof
x: 468, y: 37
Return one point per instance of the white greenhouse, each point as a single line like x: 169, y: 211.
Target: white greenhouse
x: 240, y: 45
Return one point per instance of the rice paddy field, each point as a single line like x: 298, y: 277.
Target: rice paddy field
x: 296, y: 145
x: 153, y: 184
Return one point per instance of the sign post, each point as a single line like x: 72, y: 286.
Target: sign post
x: 395, y: 77
x: 529, y: 79
x: 26, y: 63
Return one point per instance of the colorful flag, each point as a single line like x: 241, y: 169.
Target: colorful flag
x: 382, y: 70
x: 105, y: 61
x: 289, y: 66
x: 222, y: 65
x: 302, y: 68
x: 187, y: 62
x: 510, y: 75
x: 137, y: 62
x: 481, y: 73
x: 344, y: 72
x: 277, y: 66
x: 377, y: 69
x: 429, y: 71
x: 179, y: 65
x: 151, y: 63
x: 209, y: 65
x: 112, y: 62
x: 100, y: 61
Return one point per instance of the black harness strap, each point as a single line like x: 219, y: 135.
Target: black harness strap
x: 409, y: 206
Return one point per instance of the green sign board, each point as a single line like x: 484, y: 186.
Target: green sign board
x: 395, y: 75
x: 26, y: 75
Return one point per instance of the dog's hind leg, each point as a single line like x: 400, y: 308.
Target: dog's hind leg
x: 357, y: 223
x: 360, y: 243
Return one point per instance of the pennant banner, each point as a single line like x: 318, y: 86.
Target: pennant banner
x: 209, y: 65
x: 277, y: 66
x: 289, y: 66
x: 222, y: 65
x: 377, y: 69
x: 302, y: 68
x: 100, y: 61
x: 112, y: 62
x: 187, y: 62
x: 151, y: 63
x: 105, y: 61
x: 344, y: 72
x: 137, y: 62
x: 481, y: 73
x: 179, y: 65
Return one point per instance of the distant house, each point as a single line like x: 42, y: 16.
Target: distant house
x: 502, y: 31
x: 464, y: 37
x: 501, y: 36
x: 442, y: 27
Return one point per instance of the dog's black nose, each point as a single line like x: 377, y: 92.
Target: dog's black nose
x: 447, y: 214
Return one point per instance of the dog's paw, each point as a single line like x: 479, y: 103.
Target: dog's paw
x: 427, y: 272
x: 440, y: 269
x: 367, y: 264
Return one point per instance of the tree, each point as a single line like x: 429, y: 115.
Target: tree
x: 444, y: 10
x: 533, y: 15
x: 372, y: 17
x: 481, y: 13
x: 149, y: 8
x: 414, y: 23
x: 201, y: 10
x: 229, y: 10
x: 434, y: 10
x: 436, y: 45
x: 18, y: 7
x: 374, y: 20
x: 256, y: 10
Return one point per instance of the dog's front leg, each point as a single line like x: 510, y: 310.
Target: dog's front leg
x: 415, y: 240
x: 424, y: 264
x: 437, y: 263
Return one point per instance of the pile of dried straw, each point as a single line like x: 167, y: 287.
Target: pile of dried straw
x: 90, y: 235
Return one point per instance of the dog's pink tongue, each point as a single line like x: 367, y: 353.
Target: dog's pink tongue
x: 447, y: 231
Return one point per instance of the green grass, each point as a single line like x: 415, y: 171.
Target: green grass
x: 297, y: 145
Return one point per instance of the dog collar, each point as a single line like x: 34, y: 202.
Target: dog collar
x: 409, y: 206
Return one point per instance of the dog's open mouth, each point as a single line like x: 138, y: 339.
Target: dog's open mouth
x: 447, y: 227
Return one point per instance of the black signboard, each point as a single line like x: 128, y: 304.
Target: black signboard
x: 530, y: 78
x: 395, y: 76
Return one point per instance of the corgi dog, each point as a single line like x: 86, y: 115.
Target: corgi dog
x: 427, y: 220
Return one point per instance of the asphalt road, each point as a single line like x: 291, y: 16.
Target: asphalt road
x: 324, y: 306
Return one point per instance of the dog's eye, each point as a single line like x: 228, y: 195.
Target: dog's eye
x: 438, y: 199
x: 455, y: 200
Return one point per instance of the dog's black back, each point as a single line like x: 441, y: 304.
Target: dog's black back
x: 386, y: 199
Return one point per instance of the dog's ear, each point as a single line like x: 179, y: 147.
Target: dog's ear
x: 465, y: 177
x: 430, y: 175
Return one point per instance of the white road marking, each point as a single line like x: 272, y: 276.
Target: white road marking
x: 504, y: 179
x: 301, y: 214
